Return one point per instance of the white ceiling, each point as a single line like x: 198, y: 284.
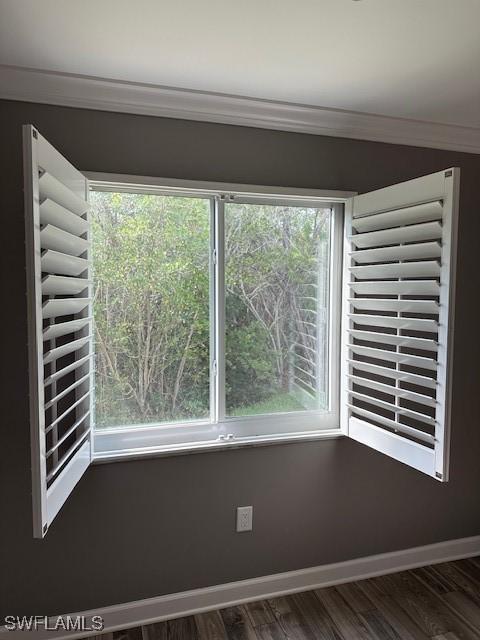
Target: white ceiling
x: 406, y: 58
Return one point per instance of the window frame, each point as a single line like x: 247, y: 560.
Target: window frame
x: 117, y: 443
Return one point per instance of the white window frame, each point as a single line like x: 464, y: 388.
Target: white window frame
x: 219, y: 431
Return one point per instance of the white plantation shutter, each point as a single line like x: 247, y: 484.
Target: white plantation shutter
x: 60, y: 331
x: 397, y: 324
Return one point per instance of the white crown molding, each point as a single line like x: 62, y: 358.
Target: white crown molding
x: 34, y: 85
x: 176, y: 605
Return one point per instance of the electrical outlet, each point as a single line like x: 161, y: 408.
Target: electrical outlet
x: 244, y: 518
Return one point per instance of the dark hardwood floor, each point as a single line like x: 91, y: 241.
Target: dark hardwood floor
x: 440, y: 602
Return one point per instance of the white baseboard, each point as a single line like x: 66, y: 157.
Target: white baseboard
x: 175, y: 605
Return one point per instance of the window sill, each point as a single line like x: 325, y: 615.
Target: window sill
x: 216, y: 445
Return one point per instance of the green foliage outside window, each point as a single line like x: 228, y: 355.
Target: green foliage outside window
x: 151, y: 306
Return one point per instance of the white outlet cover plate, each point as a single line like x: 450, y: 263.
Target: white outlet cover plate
x: 244, y: 518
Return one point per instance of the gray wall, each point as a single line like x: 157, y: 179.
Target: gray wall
x: 139, y: 529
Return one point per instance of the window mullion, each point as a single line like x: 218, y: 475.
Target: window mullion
x: 219, y: 310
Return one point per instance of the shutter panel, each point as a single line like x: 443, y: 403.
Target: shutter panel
x: 60, y: 325
x: 399, y: 263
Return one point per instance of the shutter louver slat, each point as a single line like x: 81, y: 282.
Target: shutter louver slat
x: 63, y: 393
x: 65, y: 349
x: 417, y: 251
x: 399, y: 252
x: 66, y: 435
x: 395, y: 374
x: 401, y: 270
x: 63, y: 286
x: 55, y: 262
x: 430, y: 188
x: 64, y: 307
x: 58, y: 240
x: 395, y: 426
x: 56, y: 215
x: 60, y: 330
x: 407, y: 306
x: 60, y: 373
x: 393, y: 391
x: 409, y: 215
x: 68, y: 454
x: 387, y: 406
x: 51, y: 187
x: 66, y: 412
x: 398, y: 287
x: 394, y: 356
x: 412, y: 233
x: 64, y: 328
x: 410, y: 324
x: 401, y: 341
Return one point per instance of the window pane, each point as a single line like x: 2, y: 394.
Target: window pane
x: 151, y: 271
x: 277, y: 261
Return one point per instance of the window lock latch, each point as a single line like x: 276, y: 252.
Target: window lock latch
x: 226, y: 437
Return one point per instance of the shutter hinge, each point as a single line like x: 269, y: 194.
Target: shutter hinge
x: 214, y: 256
x: 214, y: 368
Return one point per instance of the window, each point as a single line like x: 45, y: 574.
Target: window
x: 277, y: 271
x: 212, y: 316
x: 190, y: 316
x: 151, y: 308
